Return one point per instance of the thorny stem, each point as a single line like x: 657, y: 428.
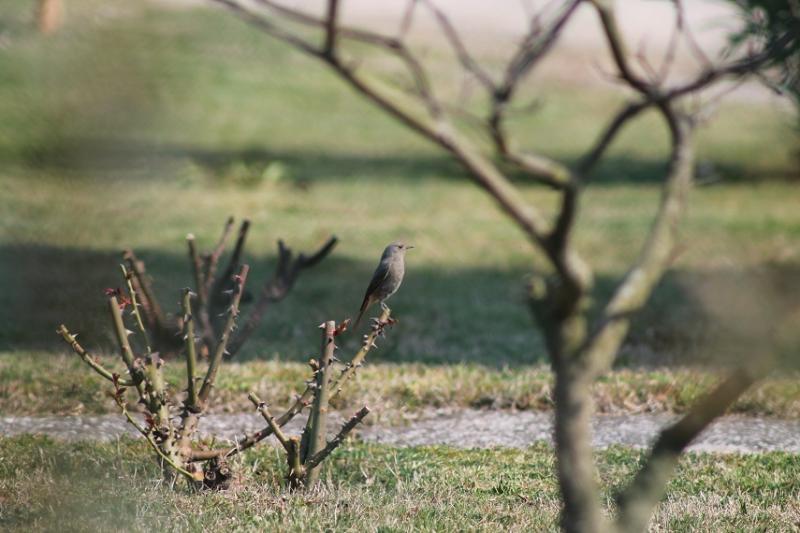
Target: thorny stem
x: 320, y: 456
x: 317, y: 427
x: 89, y: 359
x: 213, y: 259
x: 197, y: 270
x: 128, y: 275
x: 305, y: 399
x: 261, y: 407
x: 148, y: 296
x: 191, y: 351
x: 148, y: 435
x: 232, y: 312
x: 124, y: 345
x: 358, y: 358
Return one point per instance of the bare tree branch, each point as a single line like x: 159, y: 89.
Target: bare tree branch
x: 605, y: 139
x: 578, y: 353
x: 616, y: 43
x: 330, y: 28
x: 637, y: 502
x: 467, y: 62
x: 533, y: 47
x: 636, y: 286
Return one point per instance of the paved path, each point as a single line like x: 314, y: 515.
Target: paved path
x: 464, y: 428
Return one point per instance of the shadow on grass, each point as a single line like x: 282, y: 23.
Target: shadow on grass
x: 446, y: 316
x: 305, y: 167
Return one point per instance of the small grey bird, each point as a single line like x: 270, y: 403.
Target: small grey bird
x: 387, y: 277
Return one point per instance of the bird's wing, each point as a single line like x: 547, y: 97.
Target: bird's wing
x: 378, y: 277
x: 381, y: 273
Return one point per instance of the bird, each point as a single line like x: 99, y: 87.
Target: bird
x: 387, y: 277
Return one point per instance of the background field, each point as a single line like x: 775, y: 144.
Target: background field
x: 137, y: 125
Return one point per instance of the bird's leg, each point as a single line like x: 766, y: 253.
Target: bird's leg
x: 384, y: 307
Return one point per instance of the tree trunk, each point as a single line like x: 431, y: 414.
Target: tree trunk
x: 49, y: 15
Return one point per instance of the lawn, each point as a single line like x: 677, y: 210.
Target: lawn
x: 137, y: 125
x: 46, y: 485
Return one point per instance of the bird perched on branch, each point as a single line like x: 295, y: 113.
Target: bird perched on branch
x: 387, y: 277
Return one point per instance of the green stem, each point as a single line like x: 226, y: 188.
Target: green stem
x: 128, y: 275
x: 191, y: 351
x: 89, y: 359
x: 124, y: 345
x: 320, y: 456
x: 197, y: 270
x: 317, y: 427
x: 149, y: 437
x: 148, y: 295
x: 276, y: 430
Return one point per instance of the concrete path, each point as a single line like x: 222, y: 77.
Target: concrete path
x: 463, y: 428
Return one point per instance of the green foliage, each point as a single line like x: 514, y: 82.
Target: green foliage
x: 775, y: 26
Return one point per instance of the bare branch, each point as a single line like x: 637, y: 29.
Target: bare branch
x: 225, y: 280
x: 320, y: 456
x: 636, y: 504
x: 407, y: 20
x: 483, y: 171
x: 467, y: 62
x: 191, y: 351
x: 124, y: 344
x: 232, y: 312
x: 276, y: 430
x: 140, y: 285
x: 213, y: 259
x: 533, y: 48
x: 317, y: 426
x: 358, y: 359
x: 276, y: 289
x: 655, y: 257
x: 197, y: 270
x: 148, y: 435
x: 89, y: 359
x: 330, y: 28
x: 268, y: 27
x: 392, y: 45
x: 605, y: 10
x: 594, y: 155
x: 251, y: 440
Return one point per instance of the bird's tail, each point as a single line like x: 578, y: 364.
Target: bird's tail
x: 364, y: 306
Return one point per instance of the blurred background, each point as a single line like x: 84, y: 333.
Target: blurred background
x: 130, y: 124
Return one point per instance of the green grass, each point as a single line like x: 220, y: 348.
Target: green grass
x: 30, y: 383
x: 48, y: 485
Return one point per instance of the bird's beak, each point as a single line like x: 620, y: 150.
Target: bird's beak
x: 409, y: 247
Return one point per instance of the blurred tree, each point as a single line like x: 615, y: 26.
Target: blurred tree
x: 49, y: 15
x: 773, y: 25
x: 582, y: 342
